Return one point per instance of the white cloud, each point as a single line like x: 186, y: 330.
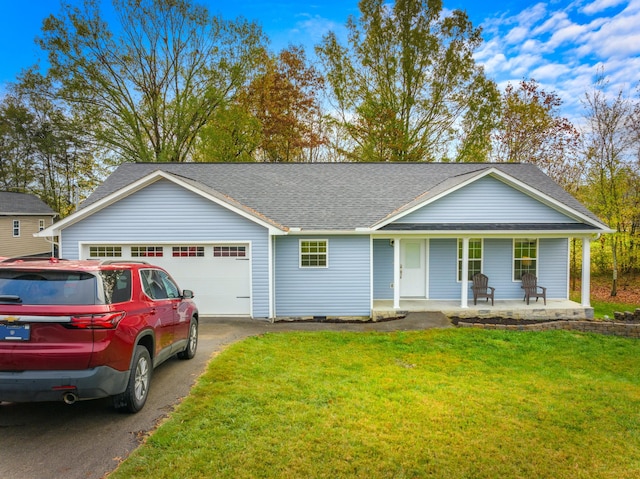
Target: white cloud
x: 562, y: 44
x: 549, y: 71
x: 516, y: 35
x: 600, y: 5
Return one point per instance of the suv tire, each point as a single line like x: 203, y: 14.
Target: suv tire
x: 135, y: 396
x: 192, y: 341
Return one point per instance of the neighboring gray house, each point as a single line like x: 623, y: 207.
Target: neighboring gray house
x: 22, y: 215
x: 329, y: 239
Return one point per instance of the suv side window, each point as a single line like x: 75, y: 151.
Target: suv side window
x: 117, y: 285
x: 170, y: 286
x: 152, y: 284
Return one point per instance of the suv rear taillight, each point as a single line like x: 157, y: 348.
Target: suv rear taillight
x: 96, y: 321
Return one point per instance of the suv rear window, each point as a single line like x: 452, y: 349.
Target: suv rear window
x: 64, y: 287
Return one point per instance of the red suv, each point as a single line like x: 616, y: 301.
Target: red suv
x: 73, y: 330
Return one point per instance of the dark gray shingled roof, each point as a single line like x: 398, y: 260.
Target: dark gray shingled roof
x: 23, y: 204
x: 331, y: 196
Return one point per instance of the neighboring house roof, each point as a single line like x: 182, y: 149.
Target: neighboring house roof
x: 333, y: 196
x: 17, y: 204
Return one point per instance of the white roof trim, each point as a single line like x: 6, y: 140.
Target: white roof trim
x: 55, y: 229
x: 511, y: 181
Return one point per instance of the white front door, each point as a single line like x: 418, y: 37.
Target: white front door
x: 413, y: 268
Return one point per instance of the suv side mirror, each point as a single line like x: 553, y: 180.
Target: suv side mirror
x: 187, y: 294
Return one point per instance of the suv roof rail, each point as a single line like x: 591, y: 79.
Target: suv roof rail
x: 117, y: 261
x: 26, y: 259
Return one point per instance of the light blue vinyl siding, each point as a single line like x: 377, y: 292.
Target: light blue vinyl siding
x: 443, y: 269
x: 164, y: 211
x: 382, y: 269
x: 486, y: 200
x: 341, y: 289
x: 553, y: 271
x: 497, y: 255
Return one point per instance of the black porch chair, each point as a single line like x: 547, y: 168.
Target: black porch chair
x: 481, y: 288
x: 532, y: 289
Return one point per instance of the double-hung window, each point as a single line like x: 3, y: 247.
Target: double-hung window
x: 16, y: 228
x: 314, y: 253
x: 475, y: 258
x: 525, y: 257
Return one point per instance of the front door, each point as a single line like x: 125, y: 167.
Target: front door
x: 413, y: 267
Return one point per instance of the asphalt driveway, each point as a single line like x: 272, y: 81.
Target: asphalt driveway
x: 88, y: 439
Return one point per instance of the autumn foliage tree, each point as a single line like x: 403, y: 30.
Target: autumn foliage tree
x: 611, y: 147
x: 285, y: 100
x: 146, y: 85
x: 43, y: 150
x: 532, y: 130
x: 406, y: 87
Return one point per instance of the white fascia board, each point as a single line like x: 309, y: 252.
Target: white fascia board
x: 511, y: 181
x: 54, y: 230
x: 485, y: 233
x: 303, y: 232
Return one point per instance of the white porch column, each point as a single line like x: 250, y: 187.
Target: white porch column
x: 464, y: 284
x: 586, y: 272
x: 397, y: 271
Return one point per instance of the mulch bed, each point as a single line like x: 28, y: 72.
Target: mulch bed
x: 520, y: 322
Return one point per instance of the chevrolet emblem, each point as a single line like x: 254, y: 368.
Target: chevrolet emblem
x: 11, y: 319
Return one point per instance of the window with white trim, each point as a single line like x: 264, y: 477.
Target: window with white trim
x: 105, y: 251
x: 147, y: 252
x: 475, y: 258
x: 16, y: 228
x: 525, y: 257
x: 40, y: 225
x: 314, y: 253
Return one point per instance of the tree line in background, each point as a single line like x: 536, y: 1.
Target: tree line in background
x: 168, y: 82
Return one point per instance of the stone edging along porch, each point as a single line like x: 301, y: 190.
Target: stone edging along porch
x: 611, y: 328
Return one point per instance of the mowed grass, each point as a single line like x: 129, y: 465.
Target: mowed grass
x: 454, y: 403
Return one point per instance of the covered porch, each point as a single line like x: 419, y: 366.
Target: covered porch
x: 509, y: 308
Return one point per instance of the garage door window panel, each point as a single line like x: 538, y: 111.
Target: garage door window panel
x: 105, y: 251
x: 147, y: 252
x: 229, y: 251
x: 188, y: 251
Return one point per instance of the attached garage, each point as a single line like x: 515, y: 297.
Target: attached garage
x: 218, y: 273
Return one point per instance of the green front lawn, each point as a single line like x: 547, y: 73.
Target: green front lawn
x: 454, y: 403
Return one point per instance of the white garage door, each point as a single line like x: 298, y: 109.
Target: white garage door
x: 218, y: 274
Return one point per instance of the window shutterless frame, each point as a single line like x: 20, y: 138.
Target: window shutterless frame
x: 313, y: 253
x: 525, y: 257
x: 476, y: 246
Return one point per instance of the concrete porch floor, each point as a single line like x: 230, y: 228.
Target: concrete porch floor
x: 513, y: 308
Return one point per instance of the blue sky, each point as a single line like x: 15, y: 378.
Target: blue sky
x: 560, y: 43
